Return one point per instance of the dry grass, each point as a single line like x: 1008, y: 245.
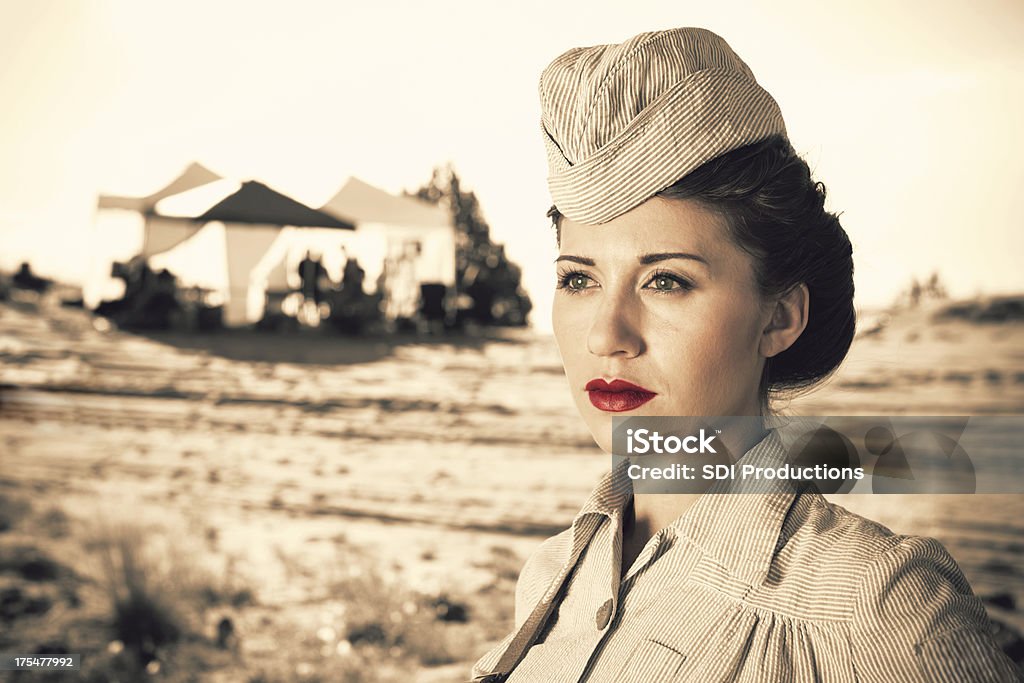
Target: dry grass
x: 142, y: 603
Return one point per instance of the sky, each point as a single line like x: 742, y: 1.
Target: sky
x: 908, y: 112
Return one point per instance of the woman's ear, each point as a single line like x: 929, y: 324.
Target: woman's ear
x: 787, y: 322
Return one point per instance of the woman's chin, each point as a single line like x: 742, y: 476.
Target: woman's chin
x: 602, y: 435
x: 601, y: 425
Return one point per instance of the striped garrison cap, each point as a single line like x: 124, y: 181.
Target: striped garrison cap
x: 623, y: 122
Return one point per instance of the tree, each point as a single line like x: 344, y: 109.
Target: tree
x: 483, y: 272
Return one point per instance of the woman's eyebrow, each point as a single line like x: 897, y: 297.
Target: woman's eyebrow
x: 576, y: 259
x: 664, y: 256
x: 646, y: 259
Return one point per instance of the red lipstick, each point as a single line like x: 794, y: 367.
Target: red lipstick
x: 617, y: 397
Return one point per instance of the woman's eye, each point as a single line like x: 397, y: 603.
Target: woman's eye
x: 578, y: 281
x: 663, y: 283
x: 669, y: 283
x: 573, y: 282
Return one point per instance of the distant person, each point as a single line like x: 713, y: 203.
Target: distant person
x: 935, y: 288
x: 915, y: 293
x: 157, y: 305
x: 352, y: 278
x: 138, y: 278
x: 26, y: 279
x: 310, y: 272
x: 432, y: 305
x: 699, y: 274
x: 351, y: 307
x: 150, y: 299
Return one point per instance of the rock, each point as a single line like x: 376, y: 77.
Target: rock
x: 30, y: 563
x: 1002, y: 600
x: 371, y: 632
x: 21, y: 601
x: 225, y: 633
x: 449, y: 610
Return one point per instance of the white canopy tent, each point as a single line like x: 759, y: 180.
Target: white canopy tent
x: 162, y: 233
x: 249, y: 221
x: 243, y: 239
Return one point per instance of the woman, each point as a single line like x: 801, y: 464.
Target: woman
x: 699, y: 275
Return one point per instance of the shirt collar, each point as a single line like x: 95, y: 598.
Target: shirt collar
x: 740, y: 530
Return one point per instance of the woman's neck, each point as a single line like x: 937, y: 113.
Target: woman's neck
x: 652, y: 512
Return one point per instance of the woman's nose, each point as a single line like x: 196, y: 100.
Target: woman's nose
x: 614, y: 329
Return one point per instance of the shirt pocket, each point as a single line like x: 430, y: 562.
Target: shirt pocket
x: 651, y: 662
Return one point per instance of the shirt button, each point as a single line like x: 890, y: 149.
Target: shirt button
x: 604, y: 614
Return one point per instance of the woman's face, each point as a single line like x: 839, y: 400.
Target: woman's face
x: 662, y: 298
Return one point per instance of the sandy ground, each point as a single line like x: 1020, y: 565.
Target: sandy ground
x: 284, y: 457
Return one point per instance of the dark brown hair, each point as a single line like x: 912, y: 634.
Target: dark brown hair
x: 775, y: 211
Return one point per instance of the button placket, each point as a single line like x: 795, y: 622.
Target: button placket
x: 648, y: 554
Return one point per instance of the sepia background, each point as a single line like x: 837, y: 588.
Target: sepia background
x: 219, y: 474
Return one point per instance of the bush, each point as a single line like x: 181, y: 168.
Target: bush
x: 140, y: 591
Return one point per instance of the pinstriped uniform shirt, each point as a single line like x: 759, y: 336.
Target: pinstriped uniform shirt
x: 775, y: 586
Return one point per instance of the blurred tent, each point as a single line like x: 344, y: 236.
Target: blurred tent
x: 415, y: 247
x: 160, y: 233
x: 252, y: 218
x: 277, y: 279
x: 257, y: 204
x: 192, y: 177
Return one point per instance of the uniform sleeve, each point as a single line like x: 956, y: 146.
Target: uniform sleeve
x: 916, y: 619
